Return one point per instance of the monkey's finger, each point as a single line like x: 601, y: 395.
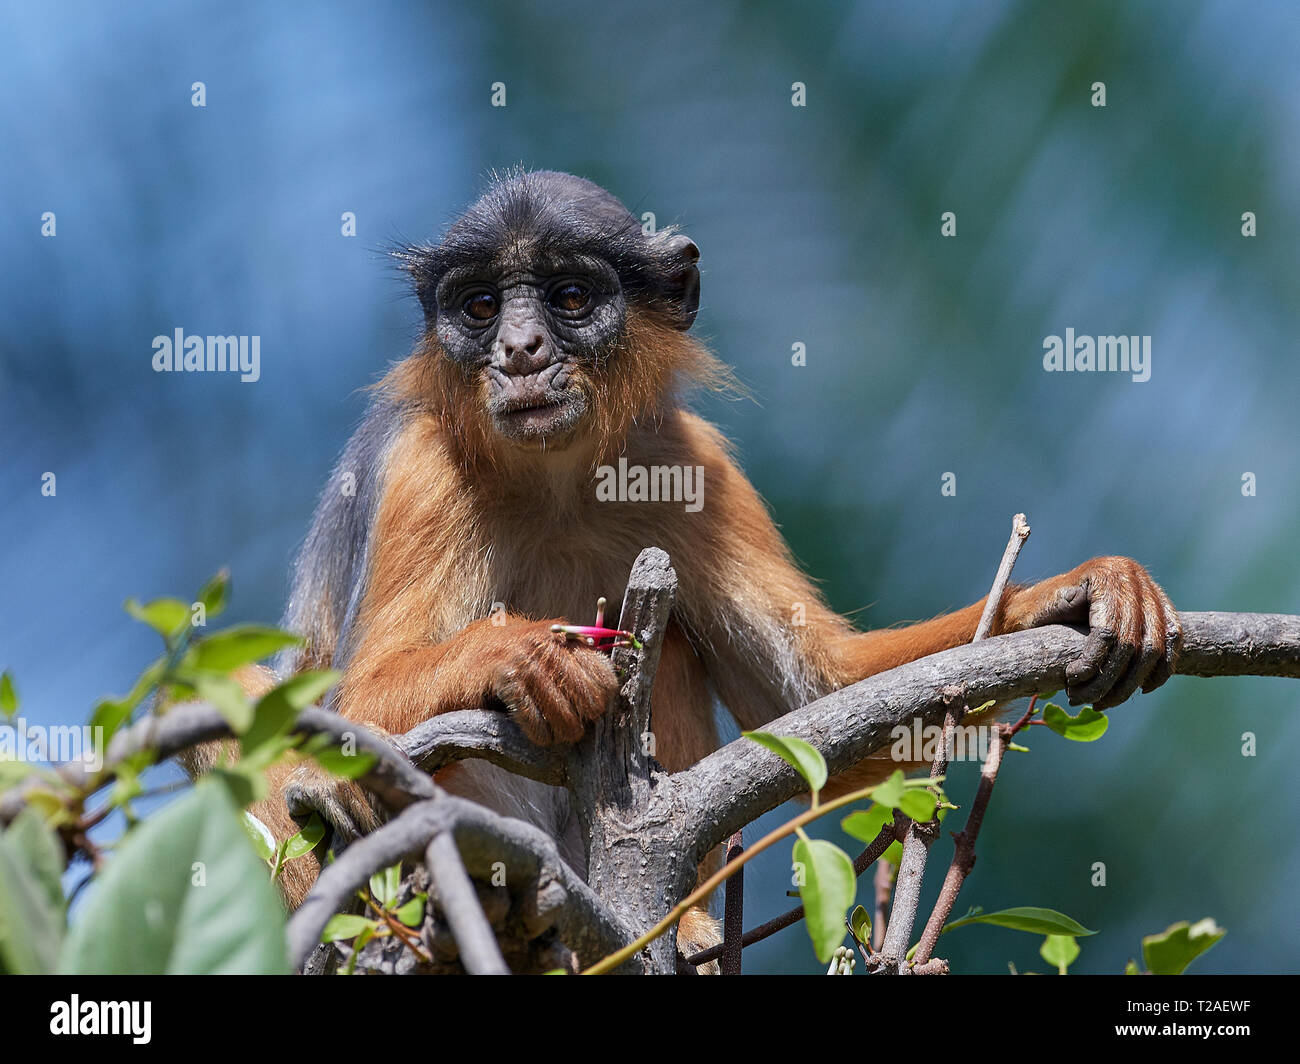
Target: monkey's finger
x: 594, y: 683
x: 332, y: 800
x: 1144, y: 660
x: 1173, y: 643
x: 577, y: 694
x: 533, y: 722
x: 1106, y: 651
x: 1114, y: 610
x: 1096, y: 649
x: 1096, y: 688
x: 566, y: 725
x: 1148, y: 655
x: 518, y: 702
x: 1070, y: 605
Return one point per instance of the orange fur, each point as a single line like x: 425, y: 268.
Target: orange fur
x: 467, y: 519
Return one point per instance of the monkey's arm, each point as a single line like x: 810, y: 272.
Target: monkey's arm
x: 1133, y: 630
x: 771, y: 644
x: 552, y: 688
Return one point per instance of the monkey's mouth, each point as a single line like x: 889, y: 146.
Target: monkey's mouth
x: 528, y: 404
x: 537, y: 416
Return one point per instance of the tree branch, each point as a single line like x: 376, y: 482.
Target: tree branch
x: 392, y: 778
x: 884, y: 838
x: 918, y: 837
x: 481, y: 733
x: 856, y: 720
x: 547, y: 891
x: 474, y: 936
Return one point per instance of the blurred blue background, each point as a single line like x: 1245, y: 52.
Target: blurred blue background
x: 818, y: 225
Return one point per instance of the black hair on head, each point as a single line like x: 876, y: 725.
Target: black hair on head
x: 554, y: 214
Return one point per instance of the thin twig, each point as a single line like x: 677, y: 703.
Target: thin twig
x: 1019, y: 533
x: 883, y: 882
x: 963, y: 858
x: 861, y: 863
x: 399, y: 930
x: 733, y: 912
x: 919, y: 837
x: 474, y: 937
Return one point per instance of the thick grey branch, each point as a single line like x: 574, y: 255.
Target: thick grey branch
x: 474, y: 936
x: 481, y: 733
x: 549, y: 893
x: 742, y: 781
x: 633, y: 856
x: 393, y: 779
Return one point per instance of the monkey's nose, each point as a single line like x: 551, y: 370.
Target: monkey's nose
x: 523, y: 348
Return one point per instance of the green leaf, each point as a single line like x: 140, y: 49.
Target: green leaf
x: 110, y: 714
x: 243, y: 784
x: 306, y: 840
x: 860, y: 924
x: 126, y: 787
x: 384, y: 885
x: 828, y: 889
x: 357, y: 946
x: 412, y: 913
x: 260, y: 835
x: 1131, y: 968
x: 8, y: 696
x: 865, y: 824
x: 349, y: 766
x: 363, y: 938
x: 238, y: 645
x: 277, y: 710
x: 1087, y: 727
x: 53, y: 804
x: 31, y: 895
x: 891, y: 792
x: 13, y: 773
x: 810, y: 764
x: 919, y: 805
x: 31, y: 924
x: 224, y: 692
x: 42, y: 850
x: 185, y: 893
x: 1026, y: 918
x: 1060, y: 951
x: 166, y: 616
x: 213, y: 593
x: 1172, y: 951
x: 345, y: 925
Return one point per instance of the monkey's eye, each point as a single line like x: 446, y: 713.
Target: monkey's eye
x: 481, y: 306
x: 571, y: 297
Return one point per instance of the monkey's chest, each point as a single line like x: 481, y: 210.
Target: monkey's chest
x: 557, y: 582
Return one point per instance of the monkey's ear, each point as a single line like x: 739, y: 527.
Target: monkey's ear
x: 681, y: 278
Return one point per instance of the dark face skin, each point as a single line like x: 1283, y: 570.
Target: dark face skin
x: 528, y: 293
x: 527, y: 323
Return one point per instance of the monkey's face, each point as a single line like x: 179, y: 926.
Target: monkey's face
x: 531, y: 295
x: 531, y: 333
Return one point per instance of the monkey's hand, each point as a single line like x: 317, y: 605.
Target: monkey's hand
x: 342, y: 804
x: 1134, y: 630
x: 552, y: 687
x: 346, y: 806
